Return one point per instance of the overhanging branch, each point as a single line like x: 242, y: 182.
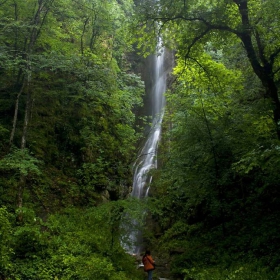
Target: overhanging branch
x: 209, y: 25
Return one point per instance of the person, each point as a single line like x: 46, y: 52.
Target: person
x: 149, y: 264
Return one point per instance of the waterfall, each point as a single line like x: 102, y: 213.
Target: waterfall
x: 146, y: 160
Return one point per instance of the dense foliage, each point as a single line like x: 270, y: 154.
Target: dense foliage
x: 68, y: 93
x: 216, y: 195
x: 73, y: 244
x: 67, y: 96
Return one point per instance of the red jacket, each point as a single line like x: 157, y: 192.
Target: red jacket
x: 149, y: 263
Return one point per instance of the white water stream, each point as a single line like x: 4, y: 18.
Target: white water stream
x: 146, y: 159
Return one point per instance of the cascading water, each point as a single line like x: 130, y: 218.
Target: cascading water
x: 146, y: 160
x: 147, y: 157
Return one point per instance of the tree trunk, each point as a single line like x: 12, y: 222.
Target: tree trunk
x: 12, y: 135
x: 37, y: 22
x: 262, y: 67
x: 27, y: 111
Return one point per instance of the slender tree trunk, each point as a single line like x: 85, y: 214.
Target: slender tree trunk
x: 18, y: 75
x: 94, y: 33
x: 22, y: 181
x: 12, y: 135
x: 82, y: 36
x: 37, y: 23
x: 26, y: 117
x: 28, y: 47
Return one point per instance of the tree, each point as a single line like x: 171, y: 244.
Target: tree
x: 191, y: 24
x: 68, y: 93
x: 219, y: 148
x: 68, y: 133
x: 217, y: 171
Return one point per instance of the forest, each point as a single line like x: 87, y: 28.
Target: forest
x: 72, y: 120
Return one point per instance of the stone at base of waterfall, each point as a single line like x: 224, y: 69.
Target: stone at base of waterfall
x: 162, y: 278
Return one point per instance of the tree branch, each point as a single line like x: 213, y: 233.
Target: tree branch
x: 198, y: 19
x: 276, y: 71
x: 196, y: 39
x: 261, y: 49
x: 274, y: 55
